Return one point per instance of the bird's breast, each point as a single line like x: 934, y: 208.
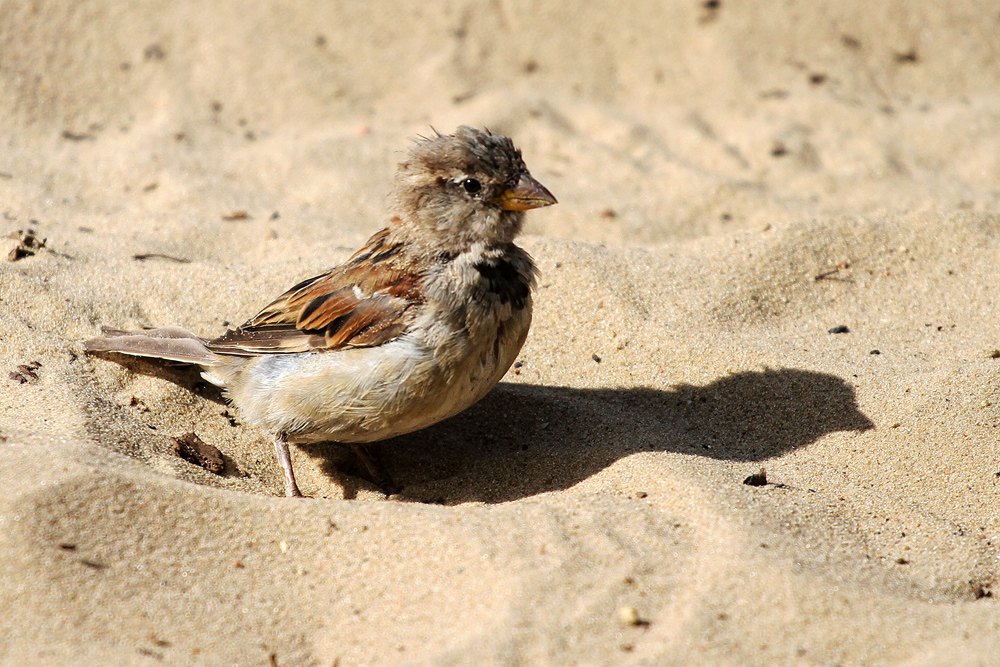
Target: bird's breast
x: 501, y: 282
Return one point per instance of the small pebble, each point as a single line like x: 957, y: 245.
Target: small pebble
x: 194, y: 450
x: 839, y: 329
x: 629, y: 616
x: 595, y: 358
x: 993, y: 354
x: 874, y: 352
x: 757, y: 479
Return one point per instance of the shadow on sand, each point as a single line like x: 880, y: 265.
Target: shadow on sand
x: 554, y: 437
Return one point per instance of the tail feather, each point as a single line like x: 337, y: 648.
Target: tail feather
x: 172, y: 343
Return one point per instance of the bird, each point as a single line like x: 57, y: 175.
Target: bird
x: 415, y: 327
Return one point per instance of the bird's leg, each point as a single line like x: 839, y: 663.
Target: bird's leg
x: 285, y: 459
x: 375, y: 469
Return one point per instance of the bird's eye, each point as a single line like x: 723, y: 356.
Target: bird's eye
x: 472, y: 186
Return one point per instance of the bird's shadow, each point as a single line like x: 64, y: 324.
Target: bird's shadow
x: 554, y: 437
x: 179, y: 373
x: 522, y: 440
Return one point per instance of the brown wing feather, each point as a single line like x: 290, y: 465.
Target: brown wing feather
x: 362, y: 303
x: 325, y: 308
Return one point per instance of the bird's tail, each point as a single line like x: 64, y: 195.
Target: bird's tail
x: 172, y: 343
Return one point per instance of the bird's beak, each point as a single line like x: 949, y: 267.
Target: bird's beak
x: 527, y: 194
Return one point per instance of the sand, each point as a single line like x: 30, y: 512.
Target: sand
x: 735, y: 180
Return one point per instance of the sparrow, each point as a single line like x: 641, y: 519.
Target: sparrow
x: 416, y: 326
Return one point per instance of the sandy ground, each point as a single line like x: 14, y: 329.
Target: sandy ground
x: 735, y: 180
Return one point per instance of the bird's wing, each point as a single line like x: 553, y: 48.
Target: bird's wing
x: 365, y: 302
